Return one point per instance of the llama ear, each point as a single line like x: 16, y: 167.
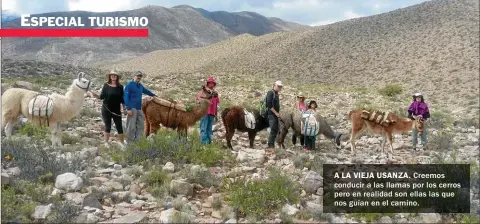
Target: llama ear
x: 81, y: 75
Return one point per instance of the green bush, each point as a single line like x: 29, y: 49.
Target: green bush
x: 16, y: 207
x: 261, y: 196
x: 64, y: 212
x: 70, y: 139
x: 201, y: 176
x: 391, y: 90
x: 156, y: 177
x: 166, y: 146
x: 36, y: 132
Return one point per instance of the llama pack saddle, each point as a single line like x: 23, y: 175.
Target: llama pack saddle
x: 171, y: 103
x: 40, y: 106
x: 250, y: 121
x: 376, y: 116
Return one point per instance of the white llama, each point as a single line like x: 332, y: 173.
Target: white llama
x: 42, y: 109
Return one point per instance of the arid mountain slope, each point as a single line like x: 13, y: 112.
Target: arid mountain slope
x: 247, y: 22
x: 431, y: 47
x: 169, y: 28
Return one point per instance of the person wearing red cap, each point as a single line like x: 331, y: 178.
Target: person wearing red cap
x: 206, y: 122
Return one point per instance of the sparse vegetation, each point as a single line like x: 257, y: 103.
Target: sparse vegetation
x: 167, y: 146
x: 439, y: 120
x: 33, y: 131
x: 200, y: 175
x: 391, y: 90
x: 261, y: 197
x: 34, y: 161
x: 16, y: 207
x: 443, y: 141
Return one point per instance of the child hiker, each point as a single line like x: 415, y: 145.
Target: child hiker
x: 206, y: 122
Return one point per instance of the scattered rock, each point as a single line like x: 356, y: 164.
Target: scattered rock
x: 385, y: 219
x: 312, y: 182
x: 6, y: 178
x: 68, y: 182
x: 136, y: 217
x: 42, y: 211
x: 252, y: 157
x: 289, y: 210
x: 182, y: 187
x: 169, y: 167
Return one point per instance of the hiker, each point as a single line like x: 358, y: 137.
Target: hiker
x: 309, y: 141
x: 206, y: 122
x: 113, y: 102
x: 301, y: 105
x: 419, y: 108
x: 133, y: 102
x: 273, y: 110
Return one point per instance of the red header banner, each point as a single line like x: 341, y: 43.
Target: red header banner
x: 105, y: 33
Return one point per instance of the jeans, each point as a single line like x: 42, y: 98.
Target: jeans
x: 273, y: 124
x: 206, y: 131
x: 423, y: 137
x: 309, y: 142
x: 135, y: 125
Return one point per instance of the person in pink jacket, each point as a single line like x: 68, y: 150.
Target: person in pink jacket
x: 207, y: 121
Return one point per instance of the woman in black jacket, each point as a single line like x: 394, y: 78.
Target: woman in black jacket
x: 112, y: 97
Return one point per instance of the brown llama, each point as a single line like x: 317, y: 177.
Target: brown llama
x: 361, y: 122
x: 156, y: 114
x: 233, y: 118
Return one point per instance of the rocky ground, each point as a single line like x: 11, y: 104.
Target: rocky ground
x: 165, y: 180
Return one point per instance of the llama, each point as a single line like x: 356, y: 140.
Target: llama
x: 293, y: 120
x: 361, y: 122
x: 16, y: 102
x: 233, y: 118
x: 156, y: 114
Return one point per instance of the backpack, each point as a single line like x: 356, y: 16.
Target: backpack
x: 309, y: 124
x: 263, y: 105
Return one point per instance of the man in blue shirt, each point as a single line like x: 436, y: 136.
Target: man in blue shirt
x: 133, y: 103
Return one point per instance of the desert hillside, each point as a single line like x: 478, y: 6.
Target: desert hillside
x: 374, y: 62
x: 431, y: 47
x: 165, y: 180
x: 169, y: 28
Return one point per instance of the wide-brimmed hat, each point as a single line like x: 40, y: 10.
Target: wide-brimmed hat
x: 300, y: 95
x: 418, y: 94
x: 112, y: 72
x: 212, y: 80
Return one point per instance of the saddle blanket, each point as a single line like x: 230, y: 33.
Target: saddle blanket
x: 376, y: 116
x: 250, y: 121
x: 40, y: 106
